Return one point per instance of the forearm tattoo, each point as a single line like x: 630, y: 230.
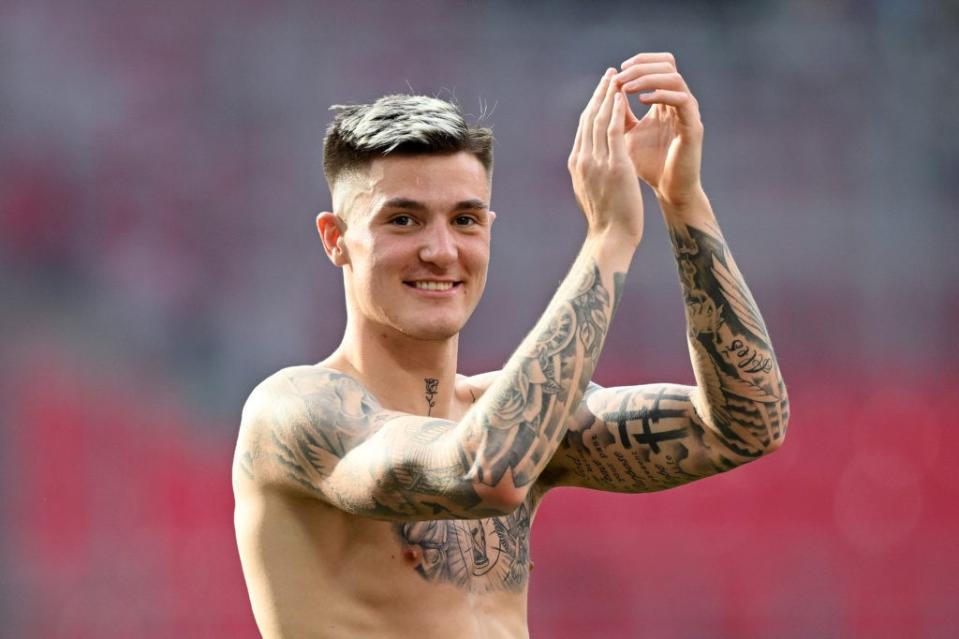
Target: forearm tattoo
x: 732, y: 354
x: 652, y: 437
x: 538, y: 392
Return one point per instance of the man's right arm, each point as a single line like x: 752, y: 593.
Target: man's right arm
x: 323, y: 434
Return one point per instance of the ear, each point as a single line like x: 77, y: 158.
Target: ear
x: 492, y: 217
x: 331, y: 229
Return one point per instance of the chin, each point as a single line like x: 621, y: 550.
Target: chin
x: 435, y: 329
x: 439, y: 333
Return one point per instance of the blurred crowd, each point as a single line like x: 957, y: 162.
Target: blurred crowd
x: 160, y: 168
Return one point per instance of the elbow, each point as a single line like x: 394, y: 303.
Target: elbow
x: 774, y: 445
x: 780, y: 426
x: 502, y: 498
x: 504, y: 502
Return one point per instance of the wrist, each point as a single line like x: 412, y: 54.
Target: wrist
x: 615, y: 238
x: 612, y: 248
x: 694, y: 199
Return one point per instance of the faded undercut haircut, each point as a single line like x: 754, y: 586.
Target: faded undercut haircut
x: 400, y: 125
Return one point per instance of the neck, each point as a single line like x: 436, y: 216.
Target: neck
x: 405, y: 374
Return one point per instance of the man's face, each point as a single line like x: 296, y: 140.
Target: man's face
x: 417, y: 239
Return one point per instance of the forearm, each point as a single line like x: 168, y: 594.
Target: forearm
x: 513, y: 430
x: 742, y: 395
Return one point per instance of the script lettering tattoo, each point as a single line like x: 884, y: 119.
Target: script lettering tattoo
x: 432, y: 386
x: 558, y: 365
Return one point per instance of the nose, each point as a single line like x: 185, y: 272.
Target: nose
x: 439, y: 245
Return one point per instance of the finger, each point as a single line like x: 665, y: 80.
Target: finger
x: 588, y: 122
x: 584, y: 119
x: 668, y: 81
x: 601, y: 122
x: 577, y: 141
x: 684, y: 102
x: 638, y: 70
x: 615, y: 138
x: 598, y: 94
x: 641, y: 58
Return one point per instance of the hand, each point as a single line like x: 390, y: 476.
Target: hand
x: 603, y: 177
x: 666, y: 145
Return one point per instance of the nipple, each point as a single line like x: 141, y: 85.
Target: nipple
x: 531, y: 565
x: 412, y: 554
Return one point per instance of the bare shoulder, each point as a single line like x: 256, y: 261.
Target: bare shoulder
x: 321, y: 396
x: 302, y: 412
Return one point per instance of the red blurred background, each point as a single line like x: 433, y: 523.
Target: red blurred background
x: 159, y: 170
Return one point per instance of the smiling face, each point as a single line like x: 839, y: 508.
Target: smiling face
x: 416, y: 244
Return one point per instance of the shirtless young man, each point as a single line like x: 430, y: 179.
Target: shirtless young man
x: 380, y: 494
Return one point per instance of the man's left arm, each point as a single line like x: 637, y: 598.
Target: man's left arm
x: 657, y: 436
x: 653, y: 437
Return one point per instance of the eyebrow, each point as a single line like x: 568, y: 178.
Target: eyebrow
x: 414, y: 205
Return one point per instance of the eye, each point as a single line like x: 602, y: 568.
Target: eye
x: 464, y: 220
x: 402, y: 220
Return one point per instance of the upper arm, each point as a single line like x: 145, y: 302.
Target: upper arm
x: 318, y: 433
x: 646, y: 438
x: 296, y: 428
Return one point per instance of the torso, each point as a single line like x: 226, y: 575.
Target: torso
x: 315, y: 571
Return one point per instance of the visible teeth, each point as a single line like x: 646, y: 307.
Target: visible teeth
x: 434, y: 286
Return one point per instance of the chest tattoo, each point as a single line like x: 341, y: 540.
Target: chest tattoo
x: 481, y: 555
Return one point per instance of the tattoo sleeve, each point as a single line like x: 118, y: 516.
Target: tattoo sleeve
x: 736, y: 370
x: 657, y: 436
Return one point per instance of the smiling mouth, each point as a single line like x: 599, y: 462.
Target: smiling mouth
x: 432, y: 285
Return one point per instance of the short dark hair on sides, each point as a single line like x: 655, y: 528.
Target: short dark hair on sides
x: 401, y: 125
